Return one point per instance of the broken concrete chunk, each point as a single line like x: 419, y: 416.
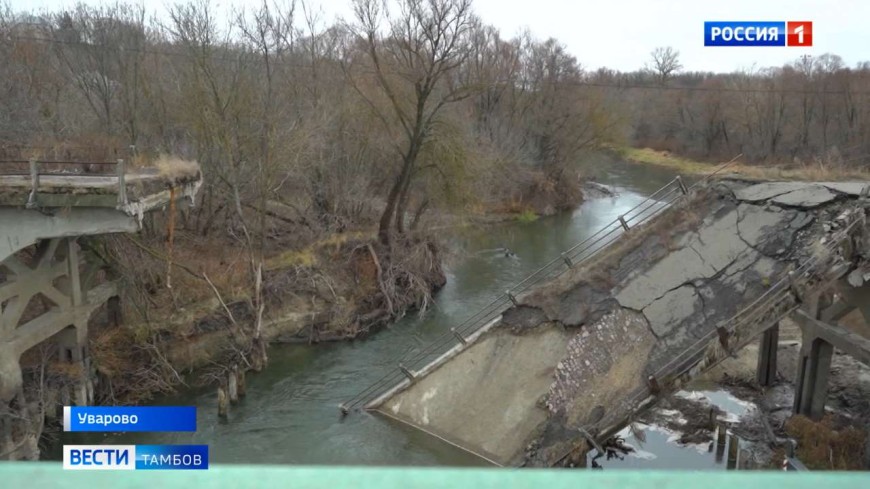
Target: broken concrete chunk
x: 851, y: 188
x: 856, y: 278
x: 808, y: 197
x: 801, y: 220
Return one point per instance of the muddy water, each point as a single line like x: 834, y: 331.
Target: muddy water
x: 657, y: 447
x: 291, y: 416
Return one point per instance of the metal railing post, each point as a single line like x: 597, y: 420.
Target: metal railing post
x: 624, y: 224
x: 122, y: 184
x: 682, y: 185
x: 34, y: 183
x: 459, y: 336
x: 407, y: 373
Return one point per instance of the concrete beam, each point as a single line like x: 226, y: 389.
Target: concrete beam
x: 23, y: 227
x: 836, y: 311
x: 47, y: 325
x: 844, y: 340
x: 858, y: 297
x: 10, y: 373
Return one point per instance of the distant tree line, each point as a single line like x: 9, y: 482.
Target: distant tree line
x: 814, y: 109
x: 410, y: 106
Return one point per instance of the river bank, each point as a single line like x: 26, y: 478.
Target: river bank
x: 796, y: 170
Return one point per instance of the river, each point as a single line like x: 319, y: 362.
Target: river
x: 291, y: 415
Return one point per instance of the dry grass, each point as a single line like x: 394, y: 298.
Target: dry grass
x: 823, y: 446
x: 807, y: 171
x: 110, y: 350
x: 69, y: 371
x: 308, y: 256
x: 174, y: 168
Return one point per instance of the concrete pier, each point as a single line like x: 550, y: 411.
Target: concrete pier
x: 819, y: 341
x: 766, y: 370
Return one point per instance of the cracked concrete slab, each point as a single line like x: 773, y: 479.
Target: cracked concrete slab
x: 767, y: 190
x: 672, y: 309
x: 679, y: 267
x: 755, y: 222
x: 702, y: 256
x: 801, y: 220
x: 849, y: 188
x: 808, y: 197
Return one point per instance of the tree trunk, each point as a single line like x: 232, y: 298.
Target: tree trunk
x: 396, y: 192
x: 390, y: 209
x: 402, y: 206
x: 419, y: 213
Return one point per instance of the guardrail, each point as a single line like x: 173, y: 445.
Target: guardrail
x: 649, y: 208
x: 36, y: 168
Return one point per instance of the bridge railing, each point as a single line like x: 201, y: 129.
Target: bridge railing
x: 37, y: 168
x: 577, y: 255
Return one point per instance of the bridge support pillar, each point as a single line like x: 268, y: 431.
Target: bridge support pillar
x: 72, y: 341
x: 811, y: 384
x: 765, y: 372
x: 721, y: 442
x: 19, y: 433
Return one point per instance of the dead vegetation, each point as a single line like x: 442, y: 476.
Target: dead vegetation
x: 827, y: 444
x: 347, y: 285
x: 173, y: 168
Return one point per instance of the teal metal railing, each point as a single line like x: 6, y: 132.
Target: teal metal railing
x: 51, y: 476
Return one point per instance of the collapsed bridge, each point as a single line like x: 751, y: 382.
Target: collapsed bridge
x: 50, y: 288
x: 638, y: 310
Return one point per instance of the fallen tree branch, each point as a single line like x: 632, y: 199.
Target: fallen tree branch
x: 221, y: 300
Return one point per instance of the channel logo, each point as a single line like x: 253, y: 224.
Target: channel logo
x: 135, y: 457
x: 792, y: 33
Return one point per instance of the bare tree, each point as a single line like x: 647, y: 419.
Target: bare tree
x: 412, y: 66
x: 665, y: 62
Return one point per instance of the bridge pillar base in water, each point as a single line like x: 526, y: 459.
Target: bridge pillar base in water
x: 765, y: 373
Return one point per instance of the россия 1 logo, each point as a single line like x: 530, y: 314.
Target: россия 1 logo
x: 792, y: 33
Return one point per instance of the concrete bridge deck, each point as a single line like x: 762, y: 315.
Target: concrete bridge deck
x: 46, y: 287
x: 575, y: 357
x: 50, y: 205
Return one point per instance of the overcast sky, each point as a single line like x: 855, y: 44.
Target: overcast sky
x: 620, y: 34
